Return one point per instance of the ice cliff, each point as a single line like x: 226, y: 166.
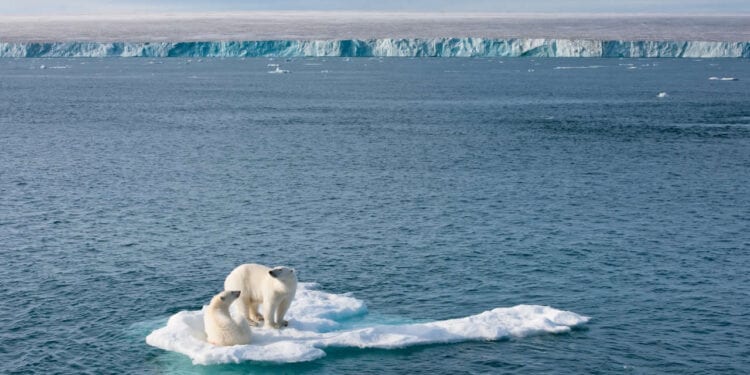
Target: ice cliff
x: 434, y: 47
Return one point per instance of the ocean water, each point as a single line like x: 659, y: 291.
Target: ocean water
x: 428, y: 189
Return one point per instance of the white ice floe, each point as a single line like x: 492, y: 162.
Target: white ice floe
x: 662, y: 94
x: 722, y: 79
x: 315, y: 323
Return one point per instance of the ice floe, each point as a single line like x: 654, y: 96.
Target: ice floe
x: 315, y: 323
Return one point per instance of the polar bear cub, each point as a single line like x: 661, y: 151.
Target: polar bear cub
x: 272, y: 287
x: 221, y: 328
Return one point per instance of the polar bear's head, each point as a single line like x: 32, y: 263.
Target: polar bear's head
x: 225, y: 298
x: 283, y: 273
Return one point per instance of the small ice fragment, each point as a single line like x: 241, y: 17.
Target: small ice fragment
x: 662, y: 94
x: 278, y: 69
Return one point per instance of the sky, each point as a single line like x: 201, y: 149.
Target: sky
x: 50, y: 7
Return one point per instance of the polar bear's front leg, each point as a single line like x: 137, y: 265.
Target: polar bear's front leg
x: 268, y: 313
x: 281, y: 311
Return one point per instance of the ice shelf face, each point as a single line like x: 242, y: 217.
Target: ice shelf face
x: 415, y: 47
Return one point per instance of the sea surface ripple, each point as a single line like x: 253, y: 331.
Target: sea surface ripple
x: 429, y: 188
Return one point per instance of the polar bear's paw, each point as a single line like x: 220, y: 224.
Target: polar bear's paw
x: 277, y: 325
x: 255, y: 319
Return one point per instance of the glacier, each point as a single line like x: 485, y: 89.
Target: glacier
x: 384, y: 47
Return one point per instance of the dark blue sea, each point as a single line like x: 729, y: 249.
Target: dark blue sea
x: 430, y: 189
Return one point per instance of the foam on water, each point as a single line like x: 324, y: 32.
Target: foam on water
x: 315, y: 323
x: 579, y: 67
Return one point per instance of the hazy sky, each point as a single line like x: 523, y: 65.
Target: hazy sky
x: 35, y: 7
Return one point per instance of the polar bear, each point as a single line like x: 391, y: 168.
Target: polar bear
x: 272, y: 287
x: 221, y: 328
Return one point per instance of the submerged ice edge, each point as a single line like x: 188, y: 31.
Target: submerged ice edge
x: 315, y: 313
x: 428, y: 47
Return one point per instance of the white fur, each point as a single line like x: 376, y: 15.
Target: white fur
x: 274, y: 288
x: 221, y: 329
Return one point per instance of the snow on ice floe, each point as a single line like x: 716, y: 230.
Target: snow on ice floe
x: 315, y: 324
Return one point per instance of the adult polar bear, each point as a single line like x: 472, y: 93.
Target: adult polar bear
x: 258, y: 284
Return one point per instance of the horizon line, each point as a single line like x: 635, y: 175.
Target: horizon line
x: 363, y: 13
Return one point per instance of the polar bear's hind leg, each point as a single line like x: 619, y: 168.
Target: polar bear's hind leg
x: 254, y: 315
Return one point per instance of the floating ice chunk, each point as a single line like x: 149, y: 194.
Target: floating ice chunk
x: 314, y: 324
x: 723, y: 79
x: 278, y: 69
x: 662, y: 94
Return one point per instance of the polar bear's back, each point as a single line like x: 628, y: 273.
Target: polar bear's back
x: 247, y: 278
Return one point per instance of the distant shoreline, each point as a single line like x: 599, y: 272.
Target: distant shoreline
x: 386, y: 47
x: 264, y: 26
